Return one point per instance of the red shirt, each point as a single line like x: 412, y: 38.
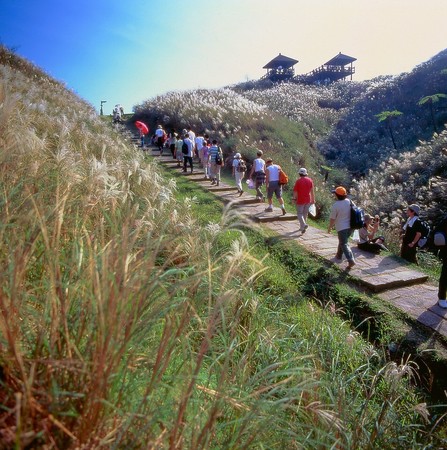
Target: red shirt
x: 303, y: 188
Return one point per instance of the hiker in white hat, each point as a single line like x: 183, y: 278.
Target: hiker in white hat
x: 304, y: 196
x: 239, y: 169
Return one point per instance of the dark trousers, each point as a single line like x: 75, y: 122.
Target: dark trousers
x: 185, y: 162
x: 371, y: 246
x: 443, y: 280
x: 409, y: 253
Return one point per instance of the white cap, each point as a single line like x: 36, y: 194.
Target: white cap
x: 302, y: 171
x: 237, y: 155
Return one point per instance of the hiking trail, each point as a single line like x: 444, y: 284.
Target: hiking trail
x: 394, y: 281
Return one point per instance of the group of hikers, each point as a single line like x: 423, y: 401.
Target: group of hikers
x: 186, y: 146
x: 117, y: 113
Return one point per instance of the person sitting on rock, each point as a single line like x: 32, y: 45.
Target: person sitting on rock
x: 367, y: 241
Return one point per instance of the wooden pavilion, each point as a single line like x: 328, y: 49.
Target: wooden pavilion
x: 280, y: 69
x: 337, y: 68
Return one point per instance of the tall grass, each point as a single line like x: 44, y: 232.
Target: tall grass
x: 125, y: 323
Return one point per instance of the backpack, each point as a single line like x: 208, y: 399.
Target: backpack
x: 439, y: 239
x: 357, y: 217
x: 242, y: 167
x: 185, y: 149
x: 283, y: 178
x: 219, y: 158
x: 425, y: 233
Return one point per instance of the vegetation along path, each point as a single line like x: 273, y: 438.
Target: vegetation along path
x: 391, y: 279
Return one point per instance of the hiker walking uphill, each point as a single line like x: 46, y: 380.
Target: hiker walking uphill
x: 340, y: 218
x: 160, y: 138
x: 172, y: 139
x: 178, y: 151
x: 199, y: 142
x: 273, y: 186
x: 215, y: 158
x: 258, y: 172
x: 205, y: 157
x: 412, y: 233
x: 239, y: 169
x: 192, y: 136
x: 188, y: 152
x: 304, y: 196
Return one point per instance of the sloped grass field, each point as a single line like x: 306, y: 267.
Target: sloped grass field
x: 135, y: 314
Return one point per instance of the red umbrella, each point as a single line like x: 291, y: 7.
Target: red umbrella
x: 142, y: 127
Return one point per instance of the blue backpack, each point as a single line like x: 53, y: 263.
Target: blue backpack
x: 357, y: 217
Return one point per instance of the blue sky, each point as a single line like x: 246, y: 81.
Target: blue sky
x: 126, y: 51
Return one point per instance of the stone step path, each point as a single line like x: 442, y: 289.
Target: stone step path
x: 393, y: 280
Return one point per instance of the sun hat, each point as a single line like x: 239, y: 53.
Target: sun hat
x: 415, y: 208
x: 302, y: 171
x: 237, y: 155
x: 340, y: 191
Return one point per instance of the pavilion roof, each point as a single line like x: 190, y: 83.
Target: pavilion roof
x: 281, y: 60
x: 340, y: 60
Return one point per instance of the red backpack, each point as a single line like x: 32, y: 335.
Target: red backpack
x: 283, y: 178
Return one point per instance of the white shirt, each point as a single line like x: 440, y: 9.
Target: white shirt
x: 341, y: 213
x: 273, y: 171
x: 259, y: 164
x: 199, y: 142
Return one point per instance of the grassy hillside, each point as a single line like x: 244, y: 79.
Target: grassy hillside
x: 132, y: 318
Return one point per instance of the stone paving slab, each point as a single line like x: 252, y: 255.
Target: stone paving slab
x: 419, y: 302
x: 393, y: 280
x: 222, y: 188
x: 376, y: 272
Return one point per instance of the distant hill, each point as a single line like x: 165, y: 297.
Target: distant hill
x: 360, y: 142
